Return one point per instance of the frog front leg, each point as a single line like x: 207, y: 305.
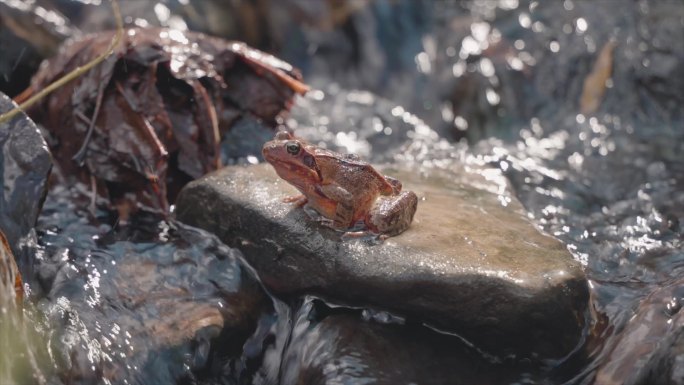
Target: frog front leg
x: 344, y: 210
x: 297, y: 200
x: 302, y: 199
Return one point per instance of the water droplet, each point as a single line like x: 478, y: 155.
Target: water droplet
x: 486, y: 67
x: 479, y: 31
x: 377, y: 124
x: 508, y: 4
x: 595, y: 142
x: 461, y: 123
x: 591, y: 45
x: 447, y: 113
x: 575, y: 160
x: 315, y: 94
x: 423, y: 63
x: 581, y: 25
x: 459, y: 68
x: 162, y: 12
x: 538, y: 26
x: 524, y: 20
x: 527, y: 58
x: 554, y: 46
x: 492, y: 97
x: 675, y: 303
x: 469, y: 46
x: 535, y: 126
x: 323, y: 120
x: 516, y: 64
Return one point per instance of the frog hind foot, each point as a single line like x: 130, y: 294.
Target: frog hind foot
x: 392, y: 215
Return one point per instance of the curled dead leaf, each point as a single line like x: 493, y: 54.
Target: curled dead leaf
x: 152, y: 115
x: 595, y: 83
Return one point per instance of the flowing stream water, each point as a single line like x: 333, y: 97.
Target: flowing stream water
x: 507, y: 79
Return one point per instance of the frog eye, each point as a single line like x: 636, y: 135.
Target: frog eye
x: 292, y: 147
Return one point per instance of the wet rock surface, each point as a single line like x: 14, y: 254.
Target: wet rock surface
x: 334, y: 346
x: 468, y: 264
x: 25, y: 164
x: 650, y: 349
x: 148, y: 302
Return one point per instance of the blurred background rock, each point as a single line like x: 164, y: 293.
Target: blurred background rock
x: 472, y: 69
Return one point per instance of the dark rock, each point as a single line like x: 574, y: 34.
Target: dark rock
x: 650, y: 348
x: 19, y: 61
x: 25, y: 164
x: 345, y: 348
x: 28, y: 33
x: 468, y: 264
x: 141, y: 304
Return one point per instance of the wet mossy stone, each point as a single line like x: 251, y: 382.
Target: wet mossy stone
x: 468, y: 264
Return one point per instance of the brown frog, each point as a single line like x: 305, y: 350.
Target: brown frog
x: 341, y: 188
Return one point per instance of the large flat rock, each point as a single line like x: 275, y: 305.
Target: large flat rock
x: 470, y: 263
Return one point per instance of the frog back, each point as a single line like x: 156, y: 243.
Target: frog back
x: 352, y: 173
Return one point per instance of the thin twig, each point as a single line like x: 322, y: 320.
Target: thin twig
x: 81, y: 153
x: 73, y: 74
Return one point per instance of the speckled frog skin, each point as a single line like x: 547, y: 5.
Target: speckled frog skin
x: 340, y: 187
